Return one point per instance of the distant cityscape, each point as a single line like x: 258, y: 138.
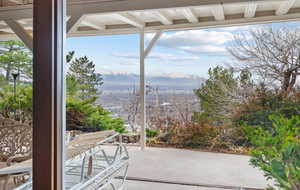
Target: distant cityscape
x: 162, y: 91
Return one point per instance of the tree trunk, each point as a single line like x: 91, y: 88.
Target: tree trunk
x: 293, y: 81
x: 8, y: 71
x: 286, y: 81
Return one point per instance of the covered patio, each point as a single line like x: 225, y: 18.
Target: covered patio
x: 44, y: 25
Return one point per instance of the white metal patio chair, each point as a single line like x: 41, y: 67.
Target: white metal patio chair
x: 94, y: 165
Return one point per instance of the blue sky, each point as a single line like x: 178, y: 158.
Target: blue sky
x: 180, y: 53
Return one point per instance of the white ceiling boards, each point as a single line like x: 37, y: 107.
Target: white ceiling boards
x: 107, y: 17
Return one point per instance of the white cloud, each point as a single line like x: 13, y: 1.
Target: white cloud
x: 126, y: 55
x: 194, y: 37
x: 247, y: 28
x: 158, y: 56
x: 204, y: 49
x: 195, y: 41
x: 171, y: 57
x: 129, y: 63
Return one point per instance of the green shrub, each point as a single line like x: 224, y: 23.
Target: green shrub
x: 103, y: 121
x: 256, y: 110
x: 151, y: 133
x: 277, y: 152
x: 21, y: 103
x: 80, y: 114
x: 85, y: 116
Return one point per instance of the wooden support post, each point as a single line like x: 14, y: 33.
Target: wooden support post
x: 142, y: 89
x: 143, y: 55
x: 152, y: 43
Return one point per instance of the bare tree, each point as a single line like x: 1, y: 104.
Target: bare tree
x: 175, y: 108
x: 272, y: 54
x: 183, y: 109
x: 132, y: 107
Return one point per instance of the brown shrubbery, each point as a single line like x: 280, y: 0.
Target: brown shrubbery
x: 202, y: 136
x: 191, y: 135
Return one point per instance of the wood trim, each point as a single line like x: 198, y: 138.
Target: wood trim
x: 48, y: 96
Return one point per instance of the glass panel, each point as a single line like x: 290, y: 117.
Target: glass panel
x: 202, y: 111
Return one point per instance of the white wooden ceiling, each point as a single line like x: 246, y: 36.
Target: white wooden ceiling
x: 107, y: 17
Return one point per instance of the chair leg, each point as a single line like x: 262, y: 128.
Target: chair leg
x: 113, y: 186
x: 5, y: 183
x: 90, y: 166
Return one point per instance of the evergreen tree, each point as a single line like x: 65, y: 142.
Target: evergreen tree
x: 221, y: 93
x: 70, y: 56
x: 15, y: 58
x: 82, y: 79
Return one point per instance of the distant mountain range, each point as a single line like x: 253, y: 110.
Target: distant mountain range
x: 124, y: 82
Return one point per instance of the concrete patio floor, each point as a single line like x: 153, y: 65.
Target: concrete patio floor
x: 197, y: 170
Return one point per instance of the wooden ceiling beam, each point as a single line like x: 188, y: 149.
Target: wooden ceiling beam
x: 190, y: 15
x: 284, y: 7
x: 129, y: 19
x: 218, y: 12
x: 93, y: 25
x: 250, y: 10
x: 73, y: 22
x: 163, y: 17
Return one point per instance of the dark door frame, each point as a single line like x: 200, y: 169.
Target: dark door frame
x: 48, y: 94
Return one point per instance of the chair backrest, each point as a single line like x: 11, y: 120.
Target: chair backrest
x: 15, y: 139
